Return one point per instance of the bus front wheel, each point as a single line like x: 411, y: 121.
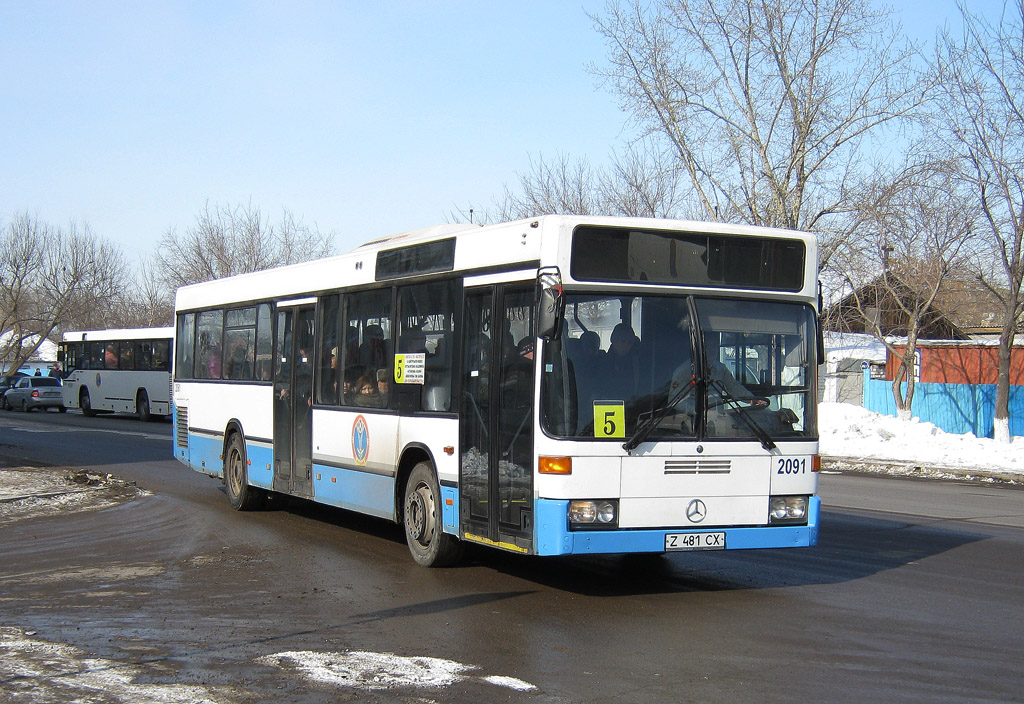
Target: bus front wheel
x: 429, y: 544
x: 85, y: 403
x: 236, y: 477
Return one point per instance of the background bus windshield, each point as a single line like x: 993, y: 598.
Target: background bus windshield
x: 629, y: 361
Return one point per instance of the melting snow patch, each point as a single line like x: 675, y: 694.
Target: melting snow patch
x: 367, y: 670
x: 34, y: 670
x: 510, y: 682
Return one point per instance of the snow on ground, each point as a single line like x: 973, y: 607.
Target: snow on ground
x: 34, y: 670
x: 28, y: 492
x: 366, y: 670
x: 847, y: 430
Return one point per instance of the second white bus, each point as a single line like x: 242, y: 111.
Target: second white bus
x: 122, y: 370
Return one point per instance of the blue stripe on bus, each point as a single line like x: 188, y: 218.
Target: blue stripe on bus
x: 368, y: 493
x: 449, y: 509
x: 261, y: 463
x: 553, y: 536
x: 204, y: 454
x: 374, y: 495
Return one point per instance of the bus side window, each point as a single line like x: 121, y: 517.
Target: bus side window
x: 426, y: 318
x: 264, y: 343
x: 96, y: 351
x: 209, y: 344
x: 329, y: 353
x: 239, y: 343
x: 186, y: 339
x: 125, y: 355
x: 143, y: 355
x: 161, y: 355
x: 368, y: 316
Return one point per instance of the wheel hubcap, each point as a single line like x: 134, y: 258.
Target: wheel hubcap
x: 419, y: 516
x: 234, y: 472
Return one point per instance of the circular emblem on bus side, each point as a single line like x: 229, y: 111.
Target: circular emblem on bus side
x: 360, y: 440
x: 696, y: 511
x: 97, y: 379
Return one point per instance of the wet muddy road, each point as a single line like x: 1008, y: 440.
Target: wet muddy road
x: 172, y: 597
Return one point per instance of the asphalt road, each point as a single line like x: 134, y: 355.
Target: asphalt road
x: 915, y: 593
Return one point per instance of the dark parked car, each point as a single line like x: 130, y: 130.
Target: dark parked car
x: 9, y: 380
x: 34, y: 392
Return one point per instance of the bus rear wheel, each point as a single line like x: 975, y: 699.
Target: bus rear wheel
x: 429, y: 544
x: 241, y: 496
x: 142, y: 406
x: 85, y: 403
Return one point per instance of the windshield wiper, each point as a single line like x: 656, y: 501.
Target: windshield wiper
x: 643, y: 429
x: 734, y: 404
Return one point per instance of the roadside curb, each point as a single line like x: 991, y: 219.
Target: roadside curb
x: 866, y: 465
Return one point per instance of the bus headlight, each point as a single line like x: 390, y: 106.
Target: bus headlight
x: 600, y: 513
x: 787, y: 509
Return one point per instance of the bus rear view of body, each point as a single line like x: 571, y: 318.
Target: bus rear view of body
x: 557, y: 386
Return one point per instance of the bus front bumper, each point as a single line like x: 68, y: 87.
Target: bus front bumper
x: 553, y: 536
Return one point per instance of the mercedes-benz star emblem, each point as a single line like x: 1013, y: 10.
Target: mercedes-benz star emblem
x: 696, y: 511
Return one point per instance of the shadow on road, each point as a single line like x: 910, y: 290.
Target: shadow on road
x: 851, y: 546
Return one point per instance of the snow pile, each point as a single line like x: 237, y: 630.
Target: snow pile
x: 851, y: 431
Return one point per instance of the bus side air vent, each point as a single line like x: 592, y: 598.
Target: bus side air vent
x: 181, y: 436
x: 698, y: 466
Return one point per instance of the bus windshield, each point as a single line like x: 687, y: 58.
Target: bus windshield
x: 680, y: 367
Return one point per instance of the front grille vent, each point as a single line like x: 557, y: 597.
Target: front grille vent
x: 698, y: 466
x: 181, y: 436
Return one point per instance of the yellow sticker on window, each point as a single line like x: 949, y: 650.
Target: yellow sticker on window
x: 609, y: 419
x: 410, y: 368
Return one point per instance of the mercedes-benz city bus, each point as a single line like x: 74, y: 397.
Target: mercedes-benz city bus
x: 125, y: 370
x: 554, y: 386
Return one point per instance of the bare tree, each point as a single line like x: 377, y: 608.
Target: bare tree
x: 980, y: 117
x: 148, y: 303
x: 640, y: 183
x: 560, y: 186
x: 766, y: 104
x: 48, y: 277
x: 914, y: 232
x: 229, y: 240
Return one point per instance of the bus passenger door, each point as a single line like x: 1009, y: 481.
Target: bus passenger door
x: 496, y: 412
x: 293, y: 410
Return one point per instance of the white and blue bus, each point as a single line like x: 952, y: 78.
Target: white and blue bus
x: 555, y: 386
x: 124, y: 370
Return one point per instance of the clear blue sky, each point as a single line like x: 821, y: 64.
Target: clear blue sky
x: 365, y: 118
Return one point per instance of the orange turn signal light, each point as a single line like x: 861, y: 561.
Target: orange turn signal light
x: 554, y: 465
x: 816, y: 463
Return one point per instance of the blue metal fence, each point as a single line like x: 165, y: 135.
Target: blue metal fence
x: 956, y: 408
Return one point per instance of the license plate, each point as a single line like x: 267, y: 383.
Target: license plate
x: 694, y: 541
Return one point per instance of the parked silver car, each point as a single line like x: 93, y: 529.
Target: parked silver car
x: 34, y: 392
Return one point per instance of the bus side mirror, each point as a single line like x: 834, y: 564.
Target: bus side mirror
x: 60, y: 355
x: 550, y: 303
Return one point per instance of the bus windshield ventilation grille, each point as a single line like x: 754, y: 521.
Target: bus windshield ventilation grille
x: 698, y: 466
